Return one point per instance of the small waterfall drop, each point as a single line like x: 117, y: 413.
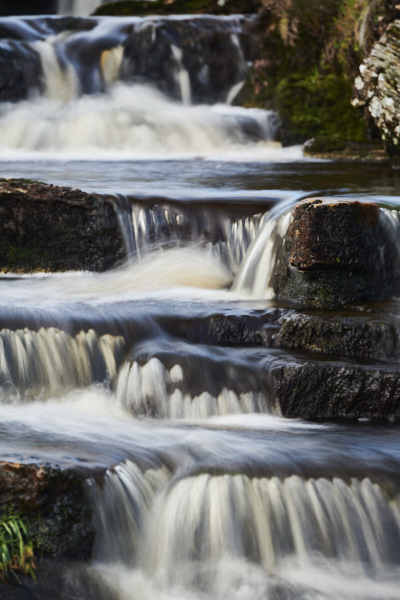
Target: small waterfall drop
x: 52, y: 360
x: 162, y: 224
x: 77, y: 8
x: 122, y: 505
x: 60, y: 84
x: 257, y: 268
x: 154, y: 390
x: 245, y: 537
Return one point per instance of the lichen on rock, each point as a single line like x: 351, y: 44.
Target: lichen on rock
x: 377, y: 88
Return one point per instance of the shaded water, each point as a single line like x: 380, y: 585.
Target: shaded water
x: 159, y: 371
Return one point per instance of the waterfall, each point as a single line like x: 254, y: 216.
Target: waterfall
x: 122, y: 505
x: 78, y: 8
x: 154, y: 390
x: 135, y: 86
x: 51, y: 359
x: 243, y: 537
x: 160, y: 223
x: 256, y: 270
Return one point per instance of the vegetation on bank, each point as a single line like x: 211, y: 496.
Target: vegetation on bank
x: 310, y: 52
x: 16, y: 548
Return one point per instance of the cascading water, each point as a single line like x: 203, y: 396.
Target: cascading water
x: 246, y: 537
x: 78, y: 8
x: 95, y: 91
x: 156, y: 378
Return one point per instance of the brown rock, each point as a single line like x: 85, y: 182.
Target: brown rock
x: 333, y: 234
x: 337, y: 252
x: 53, y: 503
x: 49, y: 228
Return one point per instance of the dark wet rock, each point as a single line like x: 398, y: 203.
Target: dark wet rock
x: 254, y: 328
x: 142, y: 8
x: 27, y: 7
x: 53, y: 503
x: 329, y: 391
x: 19, y: 72
x: 377, y: 88
x: 354, y: 337
x: 214, y: 53
x: 335, y: 253
x: 50, y: 228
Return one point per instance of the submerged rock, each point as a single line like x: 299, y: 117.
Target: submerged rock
x: 49, y: 228
x: 334, y: 253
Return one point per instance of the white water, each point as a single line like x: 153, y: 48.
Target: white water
x: 134, y: 121
x: 82, y: 108
x: 256, y: 270
x: 244, y: 538
x: 153, y: 390
x: 50, y: 360
x: 78, y: 8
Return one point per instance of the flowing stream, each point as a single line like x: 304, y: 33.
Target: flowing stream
x: 159, y: 370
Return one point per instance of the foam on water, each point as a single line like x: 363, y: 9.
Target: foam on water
x: 136, y: 122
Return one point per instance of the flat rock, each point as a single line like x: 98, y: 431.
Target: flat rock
x: 49, y: 228
x: 328, y: 391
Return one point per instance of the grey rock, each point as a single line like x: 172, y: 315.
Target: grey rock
x: 377, y: 88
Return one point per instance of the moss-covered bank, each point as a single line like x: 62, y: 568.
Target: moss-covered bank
x: 311, y: 54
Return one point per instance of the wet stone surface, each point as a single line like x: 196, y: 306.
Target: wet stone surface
x: 334, y: 253
x: 50, y: 228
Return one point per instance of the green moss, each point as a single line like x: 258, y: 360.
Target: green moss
x: 311, y: 51
x: 22, y: 258
x: 312, y: 104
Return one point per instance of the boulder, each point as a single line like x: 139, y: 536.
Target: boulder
x: 336, y: 252
x: 20, y: 72
x: 52, y: 503
x: 211, y: 55
x: 49, y: 228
